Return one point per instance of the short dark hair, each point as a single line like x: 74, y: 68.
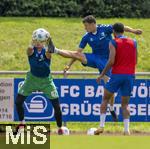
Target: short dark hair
x: 118, y: 28
x: 89, y: 19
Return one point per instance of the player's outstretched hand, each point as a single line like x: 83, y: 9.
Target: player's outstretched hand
x: 30, y: 49
x: 138, y: 31
x: 98, y: 79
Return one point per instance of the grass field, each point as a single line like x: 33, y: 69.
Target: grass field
x: 110, y: 126
x: 86, y: 142
x: 15, y: 35
x: 99, y: 142
x: 109, y: 140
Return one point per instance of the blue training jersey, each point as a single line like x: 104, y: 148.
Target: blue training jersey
x: 39, y: 64
x: 99, y: 41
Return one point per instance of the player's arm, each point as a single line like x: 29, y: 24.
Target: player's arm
x: 110, y: 62
x: 30, y: 50
x: 136, y: 56
x: 68, y: 66
x: 135, y: 43
x: 131, y: 30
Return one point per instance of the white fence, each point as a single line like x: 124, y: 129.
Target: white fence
x: 76, y: 73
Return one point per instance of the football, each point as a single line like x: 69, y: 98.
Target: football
x: 40, y: 35
x: 91, y: 131
x: 66, y: 131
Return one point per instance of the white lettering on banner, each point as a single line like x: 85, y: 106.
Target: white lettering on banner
x: 142, y: 109
x: 117, y: 106
x: 64, y: 90
x: 89, y: 91
x: 74, y: 109
x: 149, y: 109
x: 100, y: 91
x: 96, y: 109
x: 132, y: 108
x: 65, y: 108
x: 149, y: 92
x: 73, y: 91
x: 141, y: 91
x: 6, y: 99
x: 87, y: 109
x: 133, y: 93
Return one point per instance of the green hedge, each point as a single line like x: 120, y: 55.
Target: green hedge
x: 76, y: 8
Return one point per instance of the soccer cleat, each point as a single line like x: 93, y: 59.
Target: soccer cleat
x: 18, y: 128
x: 51, y: 47
x: 99, y: 131
x: 126, y: 133
x: 60, y: 131
x: 114, y: 116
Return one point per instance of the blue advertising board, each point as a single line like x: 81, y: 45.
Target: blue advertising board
x: 80, y: 101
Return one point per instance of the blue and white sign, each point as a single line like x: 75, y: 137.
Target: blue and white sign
x: 37, y: 106
x: 80, y: 101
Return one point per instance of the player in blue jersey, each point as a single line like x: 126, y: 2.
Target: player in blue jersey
x: 122, y: 60
x: 39, y: 77
x: 97, y: 37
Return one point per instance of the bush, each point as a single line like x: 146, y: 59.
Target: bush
x: 76, y: 8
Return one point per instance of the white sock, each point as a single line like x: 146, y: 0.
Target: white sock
x: 56, y: 50
x: 102, y: 120
x: 126, y: 125
x: 111, y: 108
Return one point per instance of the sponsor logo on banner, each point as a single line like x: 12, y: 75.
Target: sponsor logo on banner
x: 6, y: 99
x: 38, y: 104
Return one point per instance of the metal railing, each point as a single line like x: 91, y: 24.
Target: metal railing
x: 77, y: 73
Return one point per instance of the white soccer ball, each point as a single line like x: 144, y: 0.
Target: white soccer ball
x: 66, y: 131
x: 91, y: 131
x: 40, y: 35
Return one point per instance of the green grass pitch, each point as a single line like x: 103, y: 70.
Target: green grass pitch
x: 99, y: 142
x: 15, y: 35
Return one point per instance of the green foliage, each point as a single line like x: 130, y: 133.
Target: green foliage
x: 76, y: 8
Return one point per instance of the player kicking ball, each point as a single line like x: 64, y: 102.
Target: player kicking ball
x: 39, y: 77
x: 122, y: 60
x: 97, y: 37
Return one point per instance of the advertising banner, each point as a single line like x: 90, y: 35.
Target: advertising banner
x: 6, y: 100
x: 80, y: 101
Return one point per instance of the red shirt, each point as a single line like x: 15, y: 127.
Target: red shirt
x: 125, y: 59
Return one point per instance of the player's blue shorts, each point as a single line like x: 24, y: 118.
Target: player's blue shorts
x: 121, y: 82
x: 96, y: 61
